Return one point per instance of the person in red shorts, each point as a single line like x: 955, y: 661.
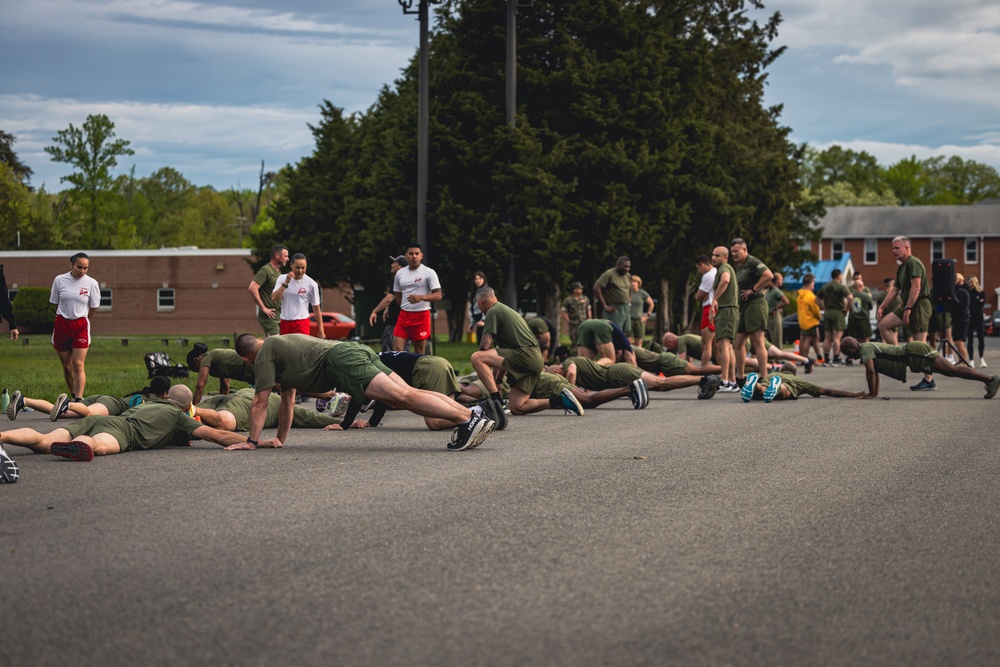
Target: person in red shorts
x: 704, y: 296
x: 298, y: 293
x: 416, y: 287
x: 76, y: 296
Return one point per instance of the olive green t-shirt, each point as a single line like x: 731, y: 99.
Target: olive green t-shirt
x: 748, y: 272
x: 893, y: 360
x: 615, y: 286
x: 115, y: 405
x: 637, y: 303
x: 157, y: 424
x: 907, y: 271
x: 796, y: 385
x: 689, y: 344
x: 589, y: 374
x: 731, y: 297
x: 773, y: 298
x: 293, y: 360
x: 267, y: 277
x: 508, y: 328
x: 227, y: 364
x: 833, y: 295
x: 861, y: 305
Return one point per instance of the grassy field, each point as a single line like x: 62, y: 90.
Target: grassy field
x: 116, y: 370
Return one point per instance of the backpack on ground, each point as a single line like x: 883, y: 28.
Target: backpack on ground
x: 158, y: 363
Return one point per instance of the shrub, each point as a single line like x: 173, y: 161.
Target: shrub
x: 33, y: 311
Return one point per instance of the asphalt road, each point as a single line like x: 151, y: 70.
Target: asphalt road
x: 814, y: 532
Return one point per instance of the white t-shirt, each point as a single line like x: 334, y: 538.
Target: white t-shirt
x: 423, y: 280
x: 298, y: 299
x: 707, y: 281
x: 74, y: 298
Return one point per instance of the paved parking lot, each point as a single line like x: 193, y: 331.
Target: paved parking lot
x: 820, y: 531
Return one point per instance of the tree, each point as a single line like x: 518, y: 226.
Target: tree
x: 9, y: 158
x: 94, y: 151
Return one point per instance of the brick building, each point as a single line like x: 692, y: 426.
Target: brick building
x: 167, y: 291
x: 968, y: 234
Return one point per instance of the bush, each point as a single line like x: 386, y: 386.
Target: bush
x: 32, y: 310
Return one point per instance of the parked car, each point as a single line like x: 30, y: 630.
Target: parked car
x: 994, y: 324
x: 335, y: 325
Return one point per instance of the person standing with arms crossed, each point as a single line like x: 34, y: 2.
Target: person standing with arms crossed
x: 76, y: 296
x: 415, y: 287
x: 752, y: 276
x: 298, y: 293
x: 261, y: 288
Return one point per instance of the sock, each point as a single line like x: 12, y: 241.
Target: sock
x: 496, y: 396
x: 555, y: 402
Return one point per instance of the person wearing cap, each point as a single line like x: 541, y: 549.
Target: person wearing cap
x: 391, y: 308
x: 153, y: 425
x: 416, y: 287
x: 99, y: 405
x: 219, y: 363
x: 575, y: 310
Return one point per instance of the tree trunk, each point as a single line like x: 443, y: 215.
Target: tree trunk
x: 663, y: 312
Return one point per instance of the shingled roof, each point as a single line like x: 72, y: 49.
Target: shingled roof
x: 845, y: 222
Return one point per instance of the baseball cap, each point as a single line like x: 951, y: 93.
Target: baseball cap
x: 400, y: 259
x: 197, y: 350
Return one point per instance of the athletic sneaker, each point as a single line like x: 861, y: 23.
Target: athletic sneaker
x: 992, y: 386
x: 60, y: 407
x: 470, y: 434
x: 493, y: 409
x: 76, y: 450
x: 638, y: 393
x: 809, y: 365
x: 8, y: 469
x: 728, y: 388
x: 708, y: 385
x: 569, y: 402
x: 773, y: 385
x: 924, y: 385
x: 16, y: 404
x: 982, y: 362
x: 322, y: 403
x: 748, y: 385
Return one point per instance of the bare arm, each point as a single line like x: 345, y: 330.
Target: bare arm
x: 218, y: 436
x: 486, y: 342
x: 871, y: 375
x: 889, y: 296
x: 840, y: 393
x: 571, y: 374
x: 599, y: 295
x: 254, y: 290
x: 320, y: 332
x: 435, y: 295
x: 382, y: 305
x: 720, y: 290
x: 280, y: 292
x: 199, y: 387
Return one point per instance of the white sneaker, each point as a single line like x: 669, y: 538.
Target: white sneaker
x: 982, y: 363
x: 952, y: 359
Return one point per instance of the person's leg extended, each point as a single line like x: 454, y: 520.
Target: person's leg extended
x: 384, y: 389
x: 33, y: 440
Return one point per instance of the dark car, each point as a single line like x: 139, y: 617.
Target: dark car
x: 993, y: 325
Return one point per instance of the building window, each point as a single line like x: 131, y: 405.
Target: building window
x: 11, y: 293
x: 165, y: 300
x: 106, y: 300
x: 871, y: 251
x: 837, y: 248
x: 971, y: 251
x: 937, y: 249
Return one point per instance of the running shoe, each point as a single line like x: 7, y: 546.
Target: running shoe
x: 708, y: 385
x: 982, y: 362
x: 992, y: 386
x: 323, y: 403
x: 16, y: 404
x: 569, y: 402
x: 470, y: 434
x: 76, y: 450
x: 924, y: 385
x: 60, y: 407
x: 748, y: 386
x: 493, y: 409
x: 639, y: 394
x: 773, y: 386
x: 809, y: 365
x: 8, y: 468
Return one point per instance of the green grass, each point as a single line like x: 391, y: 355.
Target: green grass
x: 112, y: 369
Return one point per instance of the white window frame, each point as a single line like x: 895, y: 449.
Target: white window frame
x: 975, y: 248
x: 833, y: 249
x: 934, y: 243
x: 107, y: 294
x: 873, y: 242
x: 161, y: 294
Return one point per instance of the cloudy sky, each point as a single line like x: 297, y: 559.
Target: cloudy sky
x: 212, y: 88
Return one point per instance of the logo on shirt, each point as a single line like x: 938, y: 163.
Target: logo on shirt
x: 84, y: 291
x: 417, y: 280
x: 303, y: 291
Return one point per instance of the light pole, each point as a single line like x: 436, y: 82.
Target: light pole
x: 423, y: 113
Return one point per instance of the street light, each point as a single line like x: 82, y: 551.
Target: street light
x: 423, y: 113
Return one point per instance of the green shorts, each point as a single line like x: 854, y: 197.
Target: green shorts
x: 523, y: 366
x: 622, y: 316
x: 114, y: 405
x: 435, y: 374
x: 671, y: 364
x: 270, y: 325
x: 622, y: 375
x: 753, y: 316
x: 350, y: 367
x: 811, y: 331
x: 726, y: 322
x: 859, y: 328
x: 638, y: 331
x: 920, y: 316
x: 592, y: 335
x: 834, y: 320
x: 549, y: 385
x: 116, y: 427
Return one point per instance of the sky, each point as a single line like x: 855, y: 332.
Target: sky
x: 213, y: 88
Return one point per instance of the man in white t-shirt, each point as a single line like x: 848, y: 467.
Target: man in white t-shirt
x: 298, y: 294
x: 415, y: 288
x: 76, y: 296
x: 705, y: 295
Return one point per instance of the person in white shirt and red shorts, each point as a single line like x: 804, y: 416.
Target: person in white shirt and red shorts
x: 415, y: 287
x: 298, y: 294
x: 76, y: 296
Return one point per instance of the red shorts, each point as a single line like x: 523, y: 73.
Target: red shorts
x: 294, y: 326
x: 70, y: 334
x: 706, y: 318
x: 413, y: 326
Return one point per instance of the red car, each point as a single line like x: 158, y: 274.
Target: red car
x: 335, y: 325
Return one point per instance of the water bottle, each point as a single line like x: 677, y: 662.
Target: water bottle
x: 4, y: 400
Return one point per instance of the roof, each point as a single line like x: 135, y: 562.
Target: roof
x: 822, y: 270
x: 845, y: 222
x: 161, y: 252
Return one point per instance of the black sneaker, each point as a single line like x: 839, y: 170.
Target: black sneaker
x: 708, y: 385
x: 60, y: 407
x: 470, y: 434
x: 493, y: 409
x: 16, y: 404
x: 924, y: 385
x: 809, y: 365
x: 639, y: 394
x: 8, y: 469
x: 992, y: 386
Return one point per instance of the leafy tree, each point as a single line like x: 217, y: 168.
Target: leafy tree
x: 9, y: 157
x: 20, y: 224
x: 950, y: 181
x: 93, y: 150
x: 836, y: 164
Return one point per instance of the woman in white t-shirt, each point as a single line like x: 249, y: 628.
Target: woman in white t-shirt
x: 298, y: 294
x: 76, y: 296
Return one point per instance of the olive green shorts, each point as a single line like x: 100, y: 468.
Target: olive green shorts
x: 753, y: 316
x: 622, y: 375
x: 920, y: 316
x: 116, y: 427
x: 834, y: 319
x: 671, y: 364
x: 592, y: 335
x: 523, y: 366
x: 811, y: 331
x: 726, y: 322
x: 549, y: 385
x: 435, y: 374
x: 350, y: 367
x: 270, y: 325
x: 638, y: 328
